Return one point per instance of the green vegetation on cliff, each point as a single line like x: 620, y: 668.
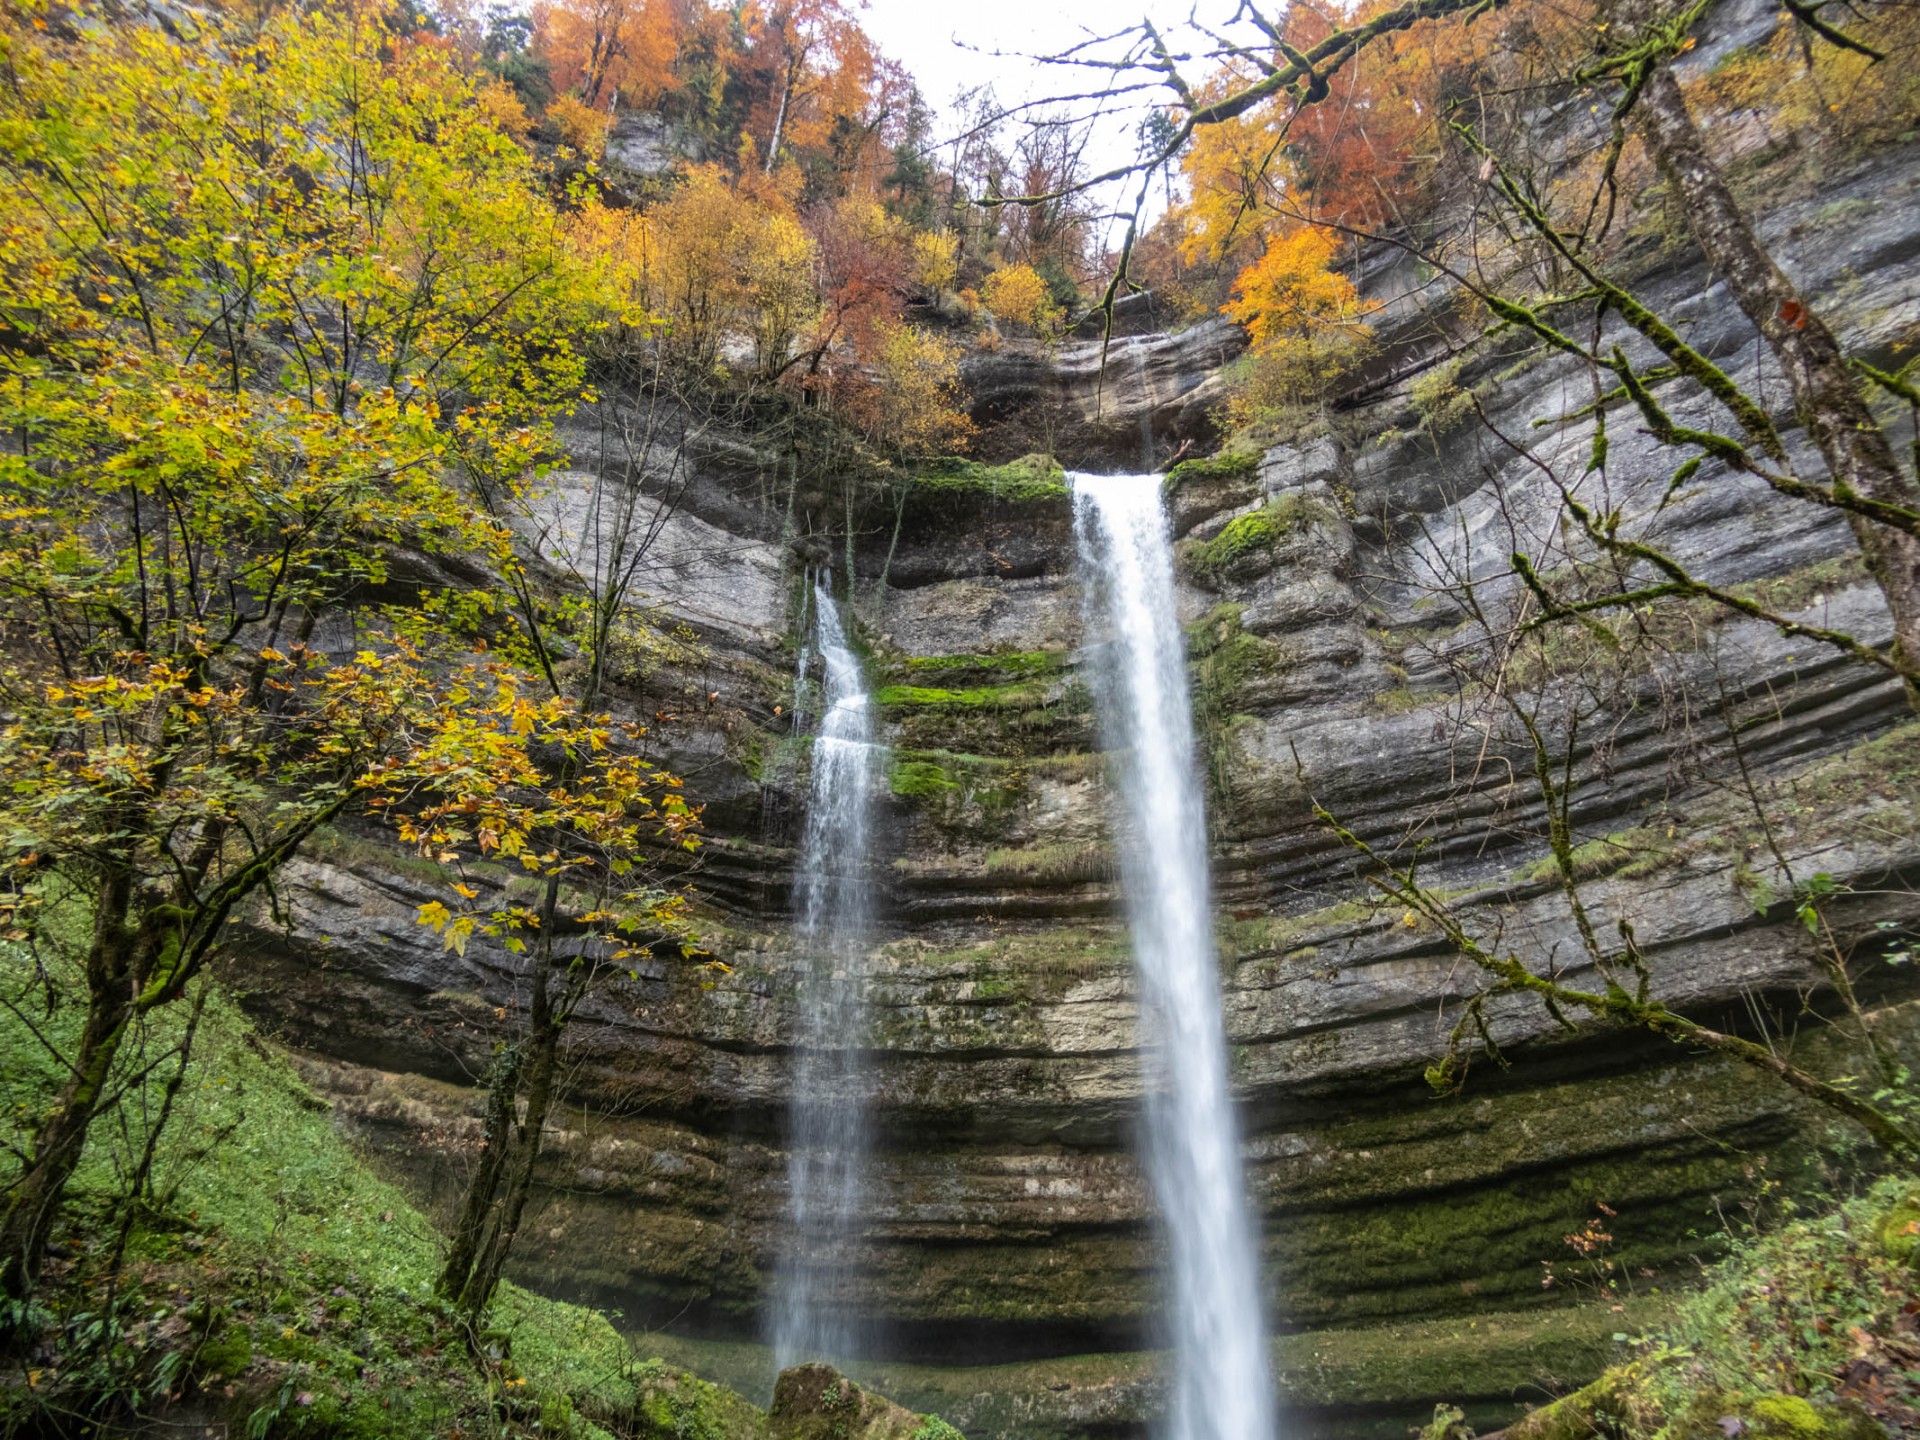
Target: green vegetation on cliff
x: 987, y: 667
x: 1251, y: 534
x: 1227, y: 465
x: 988, y: 697
x: 1028, y: 707
x: 1030, y: 480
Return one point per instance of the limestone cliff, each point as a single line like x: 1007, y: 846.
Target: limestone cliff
x: 1009, y: 1220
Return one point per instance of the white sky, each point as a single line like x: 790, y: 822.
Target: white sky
x: 922, y: 35
x: 949, y: 46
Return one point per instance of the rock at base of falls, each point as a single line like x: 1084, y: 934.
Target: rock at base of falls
x: 817, y: 1402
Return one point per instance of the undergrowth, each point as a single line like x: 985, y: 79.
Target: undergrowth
x: 269, y: 1281
x: 1810, y: 1332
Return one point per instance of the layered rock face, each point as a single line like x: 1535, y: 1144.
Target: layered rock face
x: 1114, y: 403
x: 1334, y: 664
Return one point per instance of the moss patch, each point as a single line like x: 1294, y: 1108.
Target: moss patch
x: 993, y: 667
x: 1082, y: 861
x: 1227, y: 465
x: 1249, y: 537
x: 963, y: 797
x: 1004, y: 720
x: 1630, y: 854
x: 671, y: 1404
x: 986, y: 697
x: 1032, y: 479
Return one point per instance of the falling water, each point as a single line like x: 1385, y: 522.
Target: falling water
x: 1220, y: 1382
x: 827, y: 1136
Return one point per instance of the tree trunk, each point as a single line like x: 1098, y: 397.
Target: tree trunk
x: 42, y: 1187
x: 497, y: 1197
x: 1825, y: 397
x: 542, y: 1067
x: 503, y: 1088
x: 779, y: 124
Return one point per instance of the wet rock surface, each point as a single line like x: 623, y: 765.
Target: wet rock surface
x: 1120, y: 404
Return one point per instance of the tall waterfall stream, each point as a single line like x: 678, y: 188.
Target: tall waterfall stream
x: 827, y: 1139
x: 1220, y: 1387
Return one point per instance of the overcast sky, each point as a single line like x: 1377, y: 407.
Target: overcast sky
x: 922, y: 34
x: 948, y: 46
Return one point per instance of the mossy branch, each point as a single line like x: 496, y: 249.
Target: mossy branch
x: 1687, y: 360
x: 1613, y: 1005
x: 1680, y: 582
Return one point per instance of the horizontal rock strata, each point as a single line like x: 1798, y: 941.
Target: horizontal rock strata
x: 1334, y: 665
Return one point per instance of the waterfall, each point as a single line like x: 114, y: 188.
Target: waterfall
x: 1220, y: 1384
x: 827, y: 1129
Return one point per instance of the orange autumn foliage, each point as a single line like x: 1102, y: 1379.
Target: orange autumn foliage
x: 596, y: 47
x: 1237, y: 174
x: 1357, y: 151
x: 1292, y: 292
x: 1306, y: 321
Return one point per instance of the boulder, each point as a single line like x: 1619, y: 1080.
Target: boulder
x: 817, y: 1402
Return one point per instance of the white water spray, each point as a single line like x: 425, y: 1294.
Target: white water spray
x: 1220, y: 1384
x: 827, y: 1137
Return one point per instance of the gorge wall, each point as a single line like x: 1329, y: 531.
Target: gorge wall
x: 1010, y: 1225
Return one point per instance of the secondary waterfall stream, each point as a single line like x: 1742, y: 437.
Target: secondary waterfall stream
x: 1220, y: 1385
x: 827, y: 1128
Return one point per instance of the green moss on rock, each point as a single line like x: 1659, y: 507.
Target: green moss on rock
x: 1615, y: 1405
x: 1626, y: 1403
x: 1898, y: 1230
x: 1028, y: 480
x: 1227, y: 465
x: 1629, y: 854
x: 816, y: 1402
x: 987, y: 667
x: 1253, y: 534
x: 911, y: 779
x: 672, y: 1404
x: 970, y: 798
x: 1004, y: 720
x: 987, y: 697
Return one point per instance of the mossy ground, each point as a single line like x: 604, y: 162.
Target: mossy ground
x: 273, y: 1284
x: 1808, y: 1332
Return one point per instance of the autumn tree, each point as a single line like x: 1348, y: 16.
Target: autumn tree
x: 722, y: 262
x: 519, y: 774
x: 260, y: 282
x: 1020, y: 295
x: 915, y: 406
x: 809, y: 69
x: 866, y: 261
x: 1359, y: 154
x: 596, y: 49
x: 1304, y: 319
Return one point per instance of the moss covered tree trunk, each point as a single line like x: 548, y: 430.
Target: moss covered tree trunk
x: 35, y: 1204
x: 542, y: 1068
x: 1825, y: 398
x: 496, y: 1141
x: 497, y: 1194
